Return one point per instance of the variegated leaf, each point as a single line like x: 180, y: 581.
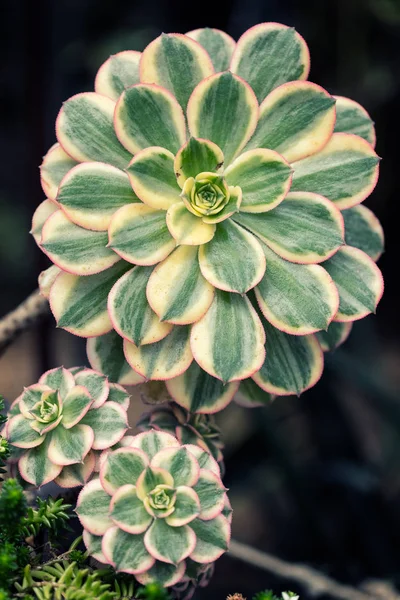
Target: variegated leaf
x: 187, y: 507
x: 122, y: 467
x: 177, y: 63
x: 197, y: 156
x: 351, y: 117
x: 109, y: 424
x: 153, y: 441
x: 345, y: 171
x: 119, y: 72
x: 219, y: 45
x: 128, y: 511
x: 78, y: 474
x: 296, y: 119
x: 198, y: 392
x: 363, y: 231
x: 40, y: 216
x: 223, y: 109
x: 305, y: 228
x: 56, y: 164
x: 169, y: 544
x: 59, y: 379
x: 180, y: 463
x: 228, y: 342
x: 20, y: 433
x: 36, y: 467
x: 85, y: 130
x: 93, y: 507
x: 70, y: 446
x: 75, y: 406
x: 268, y: 55
x: 334, y: 336
x: 126, y: 552
x: 46, y: 279
x: 177, y: 291
x: 250, y: 395
x: 212, y: 539
x: 96, y: 384
x: 358, y: 280
x: 186, y: 228
x: 211, y: 493
x: 93, y: 545
x: 162, y: 574
x: 106, y: 354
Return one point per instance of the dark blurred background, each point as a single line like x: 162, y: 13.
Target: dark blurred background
x: 315, y: 478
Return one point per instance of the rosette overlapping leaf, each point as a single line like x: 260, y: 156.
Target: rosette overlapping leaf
x: 57, y: 426
x: 158, y: 510
x: 204, y: 216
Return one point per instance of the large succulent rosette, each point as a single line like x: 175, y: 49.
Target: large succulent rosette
x: 57, y: 426
x: 204, y: 217
x: 158, y: 510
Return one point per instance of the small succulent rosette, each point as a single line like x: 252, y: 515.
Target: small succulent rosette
x: 58, y: 425
x: 157, y: 509
x: 204, y: 217
x: 188, y: 428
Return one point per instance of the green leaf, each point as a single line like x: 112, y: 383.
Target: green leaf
x: 345, y: 171
x: 119, y: 72
x: 35, y: 466
x: 304, y: 228
x: 351, y: 117
x: 187, y: 507
x: 296, y: 120
x: 78, y: 474
x: 153, y: 441
x: 93, y: 545
x: 85, y: 130
x: 21, y: 434
x: 358, y: 280
x: 363, y: 231
x: 56, y: 164
x: 197, y: 156
x: 211, y: 493
x: 223, y: 109
x: 219, y: 45
x: 108, y: 422
x: 95, y: 383
x: 169, y: 544
x: 58, y: 379
x: 92, y: 507
x: 126, y: 552
x: 69, y: 446
x: 176, y: 63
x: 180, y: 463
x: 122, y: 467
x: 268, y: 55
x: 228, y: 342
x: 162, y: 574
x: 105, y: 354
x: 75, y: 406
x: 212, y: 539
x: 128, y: 512
x: 233, y: 260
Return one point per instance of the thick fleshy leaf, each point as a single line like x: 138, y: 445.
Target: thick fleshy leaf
x: 128, y: 512
x: 212, y: 539
x: 298, y: 299
x: 56, y: 164
x: 93, y: 507
x: 345, y: 171
x: 153, y: 441
x: 91, y: 193
x: 334, y: 336
x: 151, y: 478
x: 106, y: 354
x: 70, y: 446
x: 119, y: 72
x: 165, y: 359
x: 46, y: 279
x: 79, y: 304
x: 197, y: 156
x: 186, y: 228
x: 59, y: 379
x: 148, y: 115
x: 126, y: 552
x: 140, y: 235
x: 85, y: 130
x: 96, y: 383
x: 304, y: 228
x: 219, y: 45
x: 177, y: 63
x: 363, y: 231
x: 296, y: 120
x: 233, y: 260
x: 264, y: 178
x: 169, y: 544
x: 151, y: 173
x: 180, y: 463
x: 358, y: 280
x: 74, y: 249
x: 187, y: 507
x: 93, y: 545
x: 228, y: 342
x: 351, y: 117
x: 198, y: 392
x: 293, y: 363
x: 163, y: 574
x: 211, y: 493
x: 35, y: 466
x: 119, y: 395
x: 204, y: 458
x: 250, y: 395
x: 30, y: 396
x: 232, y: 207
x: 122, y: 467
x: 75, y: 406
x: 223, y: 109
x: 177, y: 291
x: 21, y: 434
x: 40, y: 216
x: 108, y: 422
x: 130, y: 312
x: 78, y: 474
x: 268, y: 55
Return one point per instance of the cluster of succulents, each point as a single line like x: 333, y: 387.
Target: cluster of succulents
x: 203, y: 216
x: 58, y: 425
x: 158, y: 510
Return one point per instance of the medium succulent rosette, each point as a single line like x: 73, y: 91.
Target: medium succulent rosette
x: 57, y: 426
x: 204, y: 217
x: 158, y: 510
x: 188, y: 428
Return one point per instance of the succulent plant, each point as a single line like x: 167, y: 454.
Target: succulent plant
x: 59, y: 424
x: 156, y: 504
x: 188, y: 428
x: 203, y: 215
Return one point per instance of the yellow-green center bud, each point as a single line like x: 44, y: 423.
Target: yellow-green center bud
x: 47, y: 408
x: 160, y: 502
x: 206, y: 194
